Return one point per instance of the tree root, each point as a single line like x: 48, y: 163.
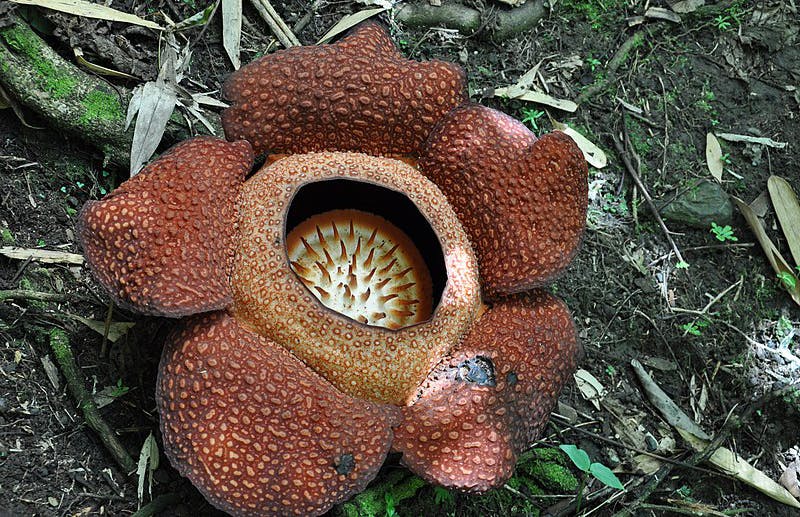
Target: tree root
x: 62, y: 351
x: 68, y: 98
x: 466, y: 20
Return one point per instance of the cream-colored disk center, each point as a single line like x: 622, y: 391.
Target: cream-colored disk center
x: 361, y: 265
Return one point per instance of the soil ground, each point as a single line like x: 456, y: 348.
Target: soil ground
x: 731, y: 67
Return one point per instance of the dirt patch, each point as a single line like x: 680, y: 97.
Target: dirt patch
x: 728, y: 68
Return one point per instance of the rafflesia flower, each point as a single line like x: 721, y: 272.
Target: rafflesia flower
x: 374, y: 287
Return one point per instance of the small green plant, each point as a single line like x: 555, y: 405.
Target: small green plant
x: 391, y: 510
x: 722, y: 22
x: 530, y: 116
x: 119, y: 389
x: 682, y: 265
x: 593, y: 62
x: 723, y: 233
x: 788, y: 280
x: 695, y: 328
x: 443, y: 496
x: 7, y: 237
x: 597, y: 470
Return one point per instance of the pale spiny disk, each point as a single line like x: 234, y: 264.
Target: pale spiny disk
x: 362, y: 266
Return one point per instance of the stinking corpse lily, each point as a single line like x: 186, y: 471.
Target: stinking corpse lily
x: 373, y: 288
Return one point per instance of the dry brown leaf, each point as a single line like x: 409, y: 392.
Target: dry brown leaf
x: 775, y: 258
x: 714, y: 156
x: 787, y: 208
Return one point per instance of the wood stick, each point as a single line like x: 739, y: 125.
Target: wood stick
x: 62, y: 351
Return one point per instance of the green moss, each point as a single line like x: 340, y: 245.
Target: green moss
x: 60, y: 344
x: 101, y: 106
x: 384, y: 497
x: 55, y: 81
x: 548, y: 468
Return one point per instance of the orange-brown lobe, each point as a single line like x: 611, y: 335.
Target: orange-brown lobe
x: 522, y: 201
x: 489, y: 400
x: 256, y: 431
x: 162, y: 243
x: 358, y: 94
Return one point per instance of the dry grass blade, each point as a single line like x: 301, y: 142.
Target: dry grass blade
x: 714, y: 156
x: 91, y: 10
x: 787, y: 208
x: 775, y: 258
x: 349, y: 21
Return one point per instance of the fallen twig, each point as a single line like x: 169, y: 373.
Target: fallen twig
x: 62, y: 351
x: 632, y: 171
x: 22, y: 294
x: 276, y: 23
x: 620, y: 57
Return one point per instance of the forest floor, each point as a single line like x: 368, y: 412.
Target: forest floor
x: 718, y: 336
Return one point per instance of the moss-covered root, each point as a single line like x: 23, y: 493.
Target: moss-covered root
x: 373, y: 502
x: 61, y: 93
x: 59, y: 343
x: 507, y: 23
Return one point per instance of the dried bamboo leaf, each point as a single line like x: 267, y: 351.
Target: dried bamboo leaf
x: 156, y: 105
x: 787, y: 209
x: 714, y: 156
x: 91, y: 10
x: 593, y: 154
x: 232, y: 29
x: 348, y: 21
x: 732, y: 137
x: 116, y: 329
x: 513, y: 92
x: 98, y: 69
x: 733, y: 465
x: 775, y: 258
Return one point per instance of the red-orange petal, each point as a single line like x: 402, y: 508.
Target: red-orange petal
x: 489, y: 400
x: 522, y: 201
x: 258, y: 432
x: 358, y: 94
x: 162, y: 243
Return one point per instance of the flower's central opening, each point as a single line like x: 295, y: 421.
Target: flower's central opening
x: 360, y: 251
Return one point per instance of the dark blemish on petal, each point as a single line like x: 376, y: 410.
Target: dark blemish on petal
x: 344, y: 464
x: 512, y: 378
x: 478, y: 370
